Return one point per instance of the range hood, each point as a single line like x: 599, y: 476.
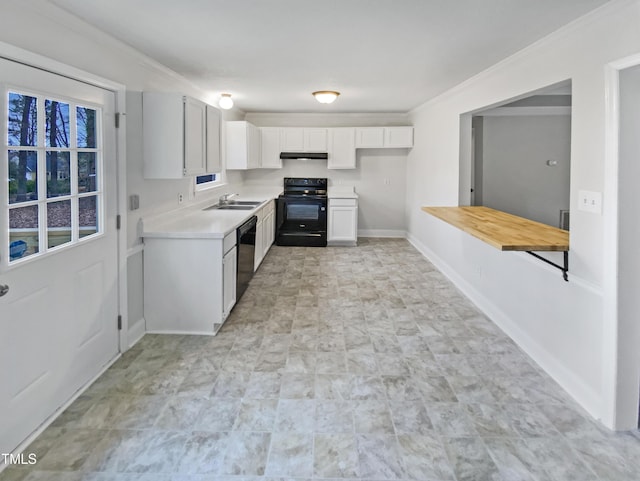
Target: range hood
x: 304, y: 155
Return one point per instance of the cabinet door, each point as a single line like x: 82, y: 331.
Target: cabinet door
x: 194, y: 137
x: 213, y: 140
x: 342, y: 152
x: 315, y: 140
x: 398, y: 137
x: 229, y: 273
x: 254, y: 153
x: 343, y: 220
x: 259, y: 249
x: 270, y: 137
x: 272, y: 228
x: 370, y: 137
x: 267, y: 233
x: 292, y: 139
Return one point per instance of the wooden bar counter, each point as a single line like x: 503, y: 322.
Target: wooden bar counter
x: 503, y: 231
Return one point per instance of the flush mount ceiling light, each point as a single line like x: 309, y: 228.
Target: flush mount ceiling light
x: 325, y: 96
x: 225, y: 102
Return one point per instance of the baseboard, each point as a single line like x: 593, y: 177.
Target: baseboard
x: 182, y: 333
x: 573, y: 385
x: 382, y: 233
x: 137, y: 330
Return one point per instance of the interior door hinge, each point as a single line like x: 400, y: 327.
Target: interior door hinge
x: 119, y: 323
x: 118, y: 222
x: 117, y: 120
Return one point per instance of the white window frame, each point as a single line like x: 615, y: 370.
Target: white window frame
x: 220, y: 180
x: 41, y: 177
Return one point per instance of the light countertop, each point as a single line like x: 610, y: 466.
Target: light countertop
x: 503, y: 231
x: 192, y: 222
x: 342, y: 192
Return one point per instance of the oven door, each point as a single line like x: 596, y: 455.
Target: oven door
x: 301, y: 221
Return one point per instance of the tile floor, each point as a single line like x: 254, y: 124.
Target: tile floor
x: 339, y: 364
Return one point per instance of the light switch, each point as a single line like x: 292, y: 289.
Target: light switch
x: 134, y: 202
x: 589, y: 201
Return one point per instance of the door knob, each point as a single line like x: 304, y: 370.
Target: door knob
x: 3, y: 289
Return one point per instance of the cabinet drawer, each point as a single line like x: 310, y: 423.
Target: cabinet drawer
x: 343, y: 202
x: 229, y: 241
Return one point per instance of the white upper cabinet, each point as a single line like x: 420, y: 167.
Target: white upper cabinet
x: 315, y: 140
x: 370, y: 137
x: 298, y: 139
x: 384, y: 137
x: 398, y: 137
x: 243, y: 145
x: 342, y: 148
x: 213, y: 140
x: 292, y: 139
x: 174, y: 134
x: 270, y: 148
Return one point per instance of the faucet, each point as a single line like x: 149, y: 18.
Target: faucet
x: 224, y: 199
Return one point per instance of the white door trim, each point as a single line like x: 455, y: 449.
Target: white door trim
x: 16, y: 54
x: 614, y: 365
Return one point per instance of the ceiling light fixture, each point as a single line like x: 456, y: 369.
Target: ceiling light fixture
x: 325, y: 96
x: 225, y: 102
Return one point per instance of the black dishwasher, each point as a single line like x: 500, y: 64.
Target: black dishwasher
x: 246, y: 255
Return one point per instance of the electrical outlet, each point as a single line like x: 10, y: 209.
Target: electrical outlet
x: 180, y: 198
x: 590, y: 201
x: 387, y: 182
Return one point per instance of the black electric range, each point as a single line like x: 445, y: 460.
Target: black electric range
x: 301, y: 216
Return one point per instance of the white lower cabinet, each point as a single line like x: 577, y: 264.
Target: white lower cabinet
x: 229, y: 273
x: 342, y: 228
x: 265, y: 232
x: 189, y: 284
x: 268, y: 232
x: 259, y: 248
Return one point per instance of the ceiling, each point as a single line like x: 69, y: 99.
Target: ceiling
x: 382, y: 55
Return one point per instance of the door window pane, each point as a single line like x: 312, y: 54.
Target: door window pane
x: 53, y: 184
x: 23, y: 168
x: 87, y: 215
x: 86, y: 172
x: 57, y: 131
x: 86, y: 124
x: 58, y: 174
x: 23, y: 120
x: 58, y: 223
x: 23, y: 232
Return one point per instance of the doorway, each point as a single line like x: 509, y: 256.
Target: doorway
x: 629, y: 241
x: 58, y: 244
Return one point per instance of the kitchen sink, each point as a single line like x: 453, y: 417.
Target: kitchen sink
x: 244, y: 202
x: 231, y: 207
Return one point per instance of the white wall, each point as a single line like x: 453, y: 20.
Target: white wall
x: 40, y: 27
x: 381, y: 205
x: 516, y: 177
x: 561, y: 324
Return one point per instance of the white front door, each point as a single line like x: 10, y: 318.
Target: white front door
x: 58, y: 243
